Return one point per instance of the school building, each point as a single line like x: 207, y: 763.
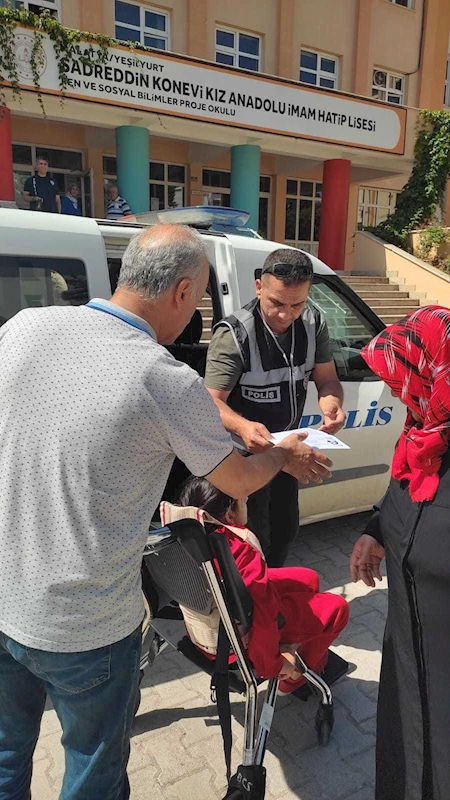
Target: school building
x: 301, y: 112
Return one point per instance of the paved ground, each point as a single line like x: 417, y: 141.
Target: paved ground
x: 176, y: 751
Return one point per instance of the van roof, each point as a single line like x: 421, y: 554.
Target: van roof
x: 17, y: 220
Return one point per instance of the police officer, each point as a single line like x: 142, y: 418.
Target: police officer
x: 259, y: 363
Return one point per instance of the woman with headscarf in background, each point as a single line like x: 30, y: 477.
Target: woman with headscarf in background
x: 412, y: 528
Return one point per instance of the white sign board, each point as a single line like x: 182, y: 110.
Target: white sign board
x: 177, y: 86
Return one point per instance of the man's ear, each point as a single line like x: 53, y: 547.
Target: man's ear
x: 258, y: 285
x: 182, y: 290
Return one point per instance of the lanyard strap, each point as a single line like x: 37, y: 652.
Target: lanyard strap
x: 120, y: 315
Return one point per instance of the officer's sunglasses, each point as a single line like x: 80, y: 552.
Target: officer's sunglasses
x: 280, y: 270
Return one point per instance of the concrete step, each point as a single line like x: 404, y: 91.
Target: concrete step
x: 386, y: 294
x: 360, y: 279
x: 390, y: 319
x: 405, y: 302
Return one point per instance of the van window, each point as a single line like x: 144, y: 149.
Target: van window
x: 34, y: 282
x: 114, y: 265
x: 349, y: 330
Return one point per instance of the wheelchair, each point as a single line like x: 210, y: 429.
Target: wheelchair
x: 180, y: 564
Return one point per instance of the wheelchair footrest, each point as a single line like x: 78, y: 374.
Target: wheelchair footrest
x: 249, y: 783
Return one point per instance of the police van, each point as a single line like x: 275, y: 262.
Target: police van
x: 50, y: 259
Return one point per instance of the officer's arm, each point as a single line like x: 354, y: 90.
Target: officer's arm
x: 331, y: 396
x: 255, y: 435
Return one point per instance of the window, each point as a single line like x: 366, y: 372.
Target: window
x: 238, y: 49
x: 303, y: 207
x: 143, y: 24
x: 318, y: 69
x: 349, y: 330
x: 65, y: 167
x: 374, y: 206
x: 447, y: 85
x: 404, y: 3
x: 167, y: 182
x: 34, y: 282
x: 388, y: 87
x: 217, y: 192
x: 36, y: 6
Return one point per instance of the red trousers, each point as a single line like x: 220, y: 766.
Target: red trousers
x: 312, y: 618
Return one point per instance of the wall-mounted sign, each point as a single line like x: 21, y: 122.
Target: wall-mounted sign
x: 173, y: 85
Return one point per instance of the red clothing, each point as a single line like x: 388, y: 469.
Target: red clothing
x: 311, y: 618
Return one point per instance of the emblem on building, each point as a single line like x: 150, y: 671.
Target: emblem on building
x: 22, y: 50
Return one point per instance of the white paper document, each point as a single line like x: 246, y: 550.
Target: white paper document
x: 316, y: 439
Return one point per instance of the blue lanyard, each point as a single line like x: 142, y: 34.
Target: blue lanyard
x: 120, y: 315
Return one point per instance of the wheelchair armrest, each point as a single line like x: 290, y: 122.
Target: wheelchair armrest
x: 240, y: 601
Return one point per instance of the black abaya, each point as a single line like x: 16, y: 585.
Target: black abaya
x: 413, y: 730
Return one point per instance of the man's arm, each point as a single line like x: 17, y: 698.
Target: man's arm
x: 331, y: 396
x: 58, y: 203
x: 255, y: 435
x: 239, y: 477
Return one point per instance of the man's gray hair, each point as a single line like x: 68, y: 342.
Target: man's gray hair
x: 157, y: 259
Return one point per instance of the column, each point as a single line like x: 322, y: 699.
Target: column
x: 363, y: 58
x: 333, y: 221
x: 434, y: 54
x: 6, y: 161
x: 133, y: 171
x: 245, y: 171
x: 286, y: 28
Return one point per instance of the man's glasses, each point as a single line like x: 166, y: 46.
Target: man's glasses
x: 283, y: 270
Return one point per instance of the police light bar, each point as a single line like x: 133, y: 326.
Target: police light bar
x: 215, y: 217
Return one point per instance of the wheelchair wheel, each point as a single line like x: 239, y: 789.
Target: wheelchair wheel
x: 324, y: 723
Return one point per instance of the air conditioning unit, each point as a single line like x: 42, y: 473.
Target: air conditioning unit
x: 379, y: 78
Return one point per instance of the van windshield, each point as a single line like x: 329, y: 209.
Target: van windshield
x: 35, y: 281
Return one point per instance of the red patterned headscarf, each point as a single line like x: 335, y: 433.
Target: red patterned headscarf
x: 413, y: 358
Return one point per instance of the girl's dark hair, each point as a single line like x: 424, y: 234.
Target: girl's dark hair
x: 201, y: 493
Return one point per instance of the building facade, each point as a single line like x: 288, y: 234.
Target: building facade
x: 301, y: 112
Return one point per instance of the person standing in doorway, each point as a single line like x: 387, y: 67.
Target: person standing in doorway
x: 41, y: 191
x: 117, y: 206
x: 69, y: 203
x: 259, y: 362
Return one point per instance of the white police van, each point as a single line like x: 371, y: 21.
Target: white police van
x: 48, y: 259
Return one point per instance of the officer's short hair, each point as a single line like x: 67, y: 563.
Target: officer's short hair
x: 290, y: 266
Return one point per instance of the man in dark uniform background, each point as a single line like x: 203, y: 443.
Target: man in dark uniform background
x: 259, y: 363
x: 41, y: 191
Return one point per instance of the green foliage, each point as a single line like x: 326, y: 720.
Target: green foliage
x: 431, y: 239
x: 424, y: 192
x: 90, y: 48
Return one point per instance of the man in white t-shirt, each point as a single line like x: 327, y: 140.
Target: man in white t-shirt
x: 93, y: 411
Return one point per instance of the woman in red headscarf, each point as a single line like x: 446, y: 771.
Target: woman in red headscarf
x: 411, y: 528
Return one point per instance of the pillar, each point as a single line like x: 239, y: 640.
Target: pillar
x: 333, y: 221
x: 434, y: 54
x: 245, y: 171
x: 362, y: 80
x: 286, y: 28
x: 6, y: 161
x: 133, y: 170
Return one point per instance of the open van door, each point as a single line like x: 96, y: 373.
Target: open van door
x: 375, y: 418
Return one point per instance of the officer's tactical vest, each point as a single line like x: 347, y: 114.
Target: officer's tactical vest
x: 272, y: 388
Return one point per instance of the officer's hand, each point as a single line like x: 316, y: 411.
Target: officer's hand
x: 333, y: 420
x: 256, y: 437
x: 304, y: 463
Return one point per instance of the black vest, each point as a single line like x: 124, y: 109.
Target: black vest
x: 272, y: 388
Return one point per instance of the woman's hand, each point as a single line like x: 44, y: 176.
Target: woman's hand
x: 366, y: 559
x: 289, y: 669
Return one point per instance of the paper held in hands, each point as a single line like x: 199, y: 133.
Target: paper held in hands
x: 316, y: 439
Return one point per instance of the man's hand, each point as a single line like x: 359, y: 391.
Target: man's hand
x: 255, y: 436
x: 333, y: 419
x: 366, y: 559
x: 304, y: 463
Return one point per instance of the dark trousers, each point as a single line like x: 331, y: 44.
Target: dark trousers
x: 274, y: 517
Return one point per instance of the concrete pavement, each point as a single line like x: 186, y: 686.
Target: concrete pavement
x: 176, y: 751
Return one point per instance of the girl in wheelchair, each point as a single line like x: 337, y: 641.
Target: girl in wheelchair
x: 289, y: 611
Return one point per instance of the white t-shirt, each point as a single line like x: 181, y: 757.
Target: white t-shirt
x: 92, y: 413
